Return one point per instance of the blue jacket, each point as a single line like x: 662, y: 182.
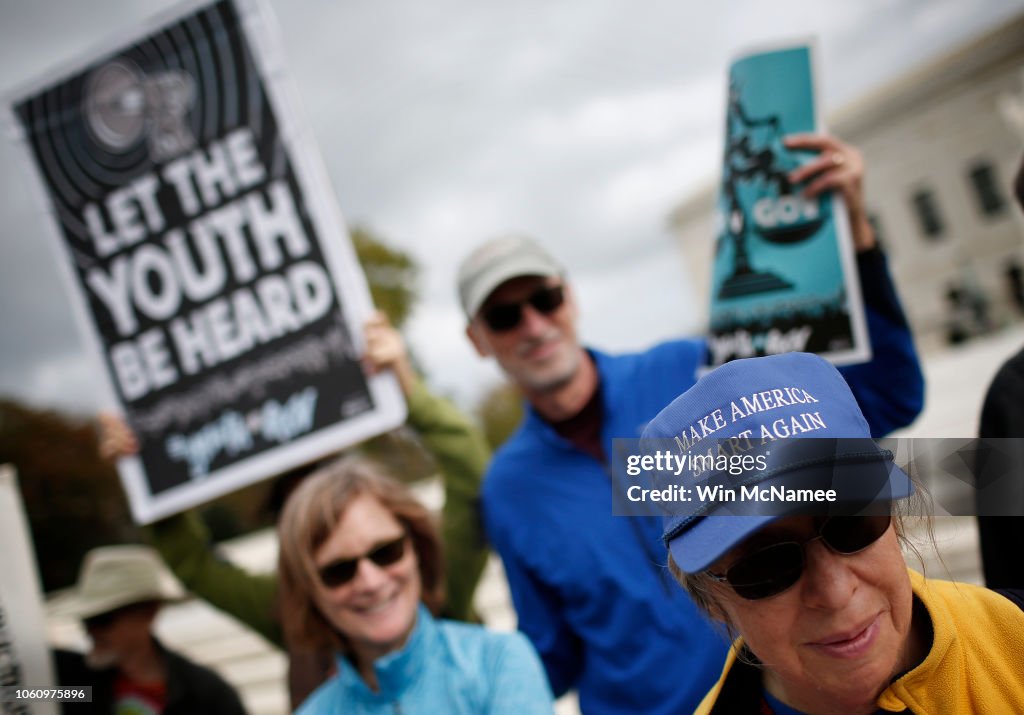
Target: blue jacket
x: 590, y: 589
x: 446, y: 667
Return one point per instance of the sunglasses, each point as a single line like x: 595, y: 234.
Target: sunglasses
x: 338, y: 573
x: 105, y: 620
x: 773, y: 569
x: 502, y: 317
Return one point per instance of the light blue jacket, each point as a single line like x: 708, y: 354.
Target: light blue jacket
x: 446, y: 667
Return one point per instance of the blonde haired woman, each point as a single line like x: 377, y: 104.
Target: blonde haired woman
x: 361, y: 573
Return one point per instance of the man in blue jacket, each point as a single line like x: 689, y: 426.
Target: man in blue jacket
x: 590, y: 589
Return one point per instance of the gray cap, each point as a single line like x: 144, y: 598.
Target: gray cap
x: 497, y: 261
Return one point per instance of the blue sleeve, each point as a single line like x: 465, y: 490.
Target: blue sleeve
x: 539, y: 610
x: 519, y: 685
x: 321, y: 701
x: 538, y: 605
x: 889, y: 388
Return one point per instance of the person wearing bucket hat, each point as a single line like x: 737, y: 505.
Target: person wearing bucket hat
x: 605, y: 618
x: 120, y: 590
x: 826, y: 614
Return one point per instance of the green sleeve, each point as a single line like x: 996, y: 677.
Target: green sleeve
x: 462, y: 455
x: 184, y: 542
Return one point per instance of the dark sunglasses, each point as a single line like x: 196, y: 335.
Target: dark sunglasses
x: 104, y: 620
x: 773, y: 569
x: 337, y: 573
x: 502, y: 317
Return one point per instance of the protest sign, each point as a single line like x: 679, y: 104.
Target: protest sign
x: 784, y: 276
x: 204, y: 253
x: 24, y: 655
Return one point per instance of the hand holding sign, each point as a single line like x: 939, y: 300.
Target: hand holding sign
x: 385, y: 350
x: 784, y: 277
x: 838, y: 167
x: 206, y: 255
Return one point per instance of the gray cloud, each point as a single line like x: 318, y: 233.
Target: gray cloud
x: 442, y: 123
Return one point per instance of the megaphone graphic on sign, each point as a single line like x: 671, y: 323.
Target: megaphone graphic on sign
x: 122, y: 104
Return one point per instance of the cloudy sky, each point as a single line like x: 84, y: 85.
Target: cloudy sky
x: 580, y: 122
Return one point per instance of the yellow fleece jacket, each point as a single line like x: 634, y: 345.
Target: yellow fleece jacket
x: 975, y: 664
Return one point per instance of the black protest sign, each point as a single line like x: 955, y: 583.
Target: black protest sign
x: 207, y: 253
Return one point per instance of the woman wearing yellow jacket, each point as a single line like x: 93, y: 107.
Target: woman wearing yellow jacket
x: 827, y: 617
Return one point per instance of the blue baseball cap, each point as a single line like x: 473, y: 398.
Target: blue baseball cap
x: 797, y: 411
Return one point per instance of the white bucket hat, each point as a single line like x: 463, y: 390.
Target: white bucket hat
x: 116, y: 576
